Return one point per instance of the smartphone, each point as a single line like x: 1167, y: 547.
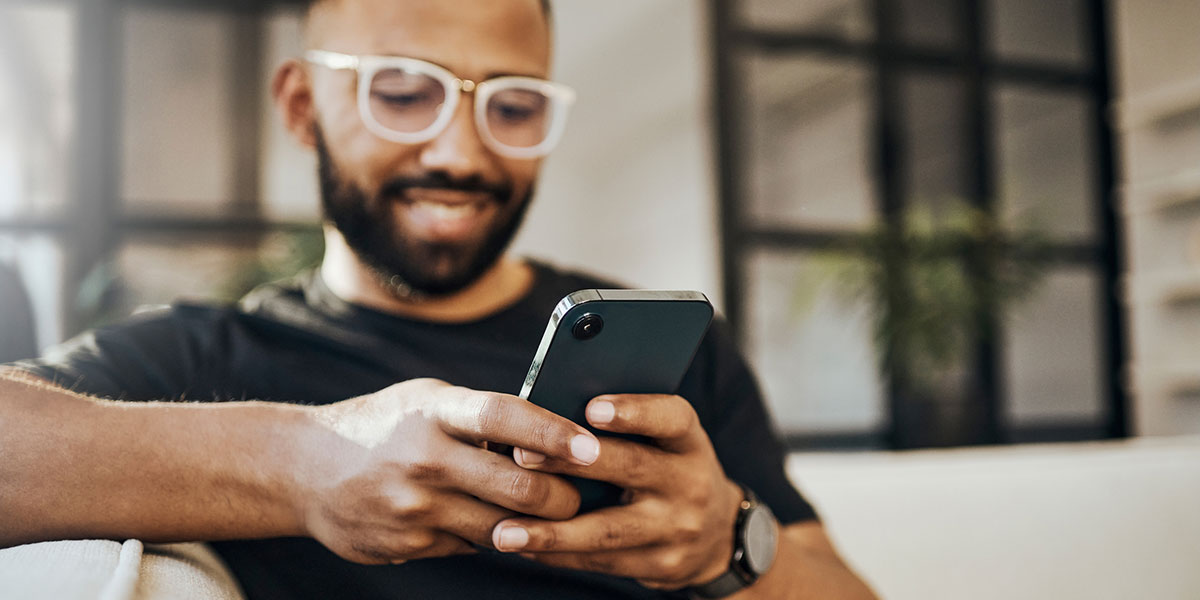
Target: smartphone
x: 614, y: 342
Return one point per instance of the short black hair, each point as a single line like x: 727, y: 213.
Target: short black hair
x: 309, y: 4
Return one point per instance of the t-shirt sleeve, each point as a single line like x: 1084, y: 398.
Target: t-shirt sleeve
x: 737, y: 422
x: 151, y: 356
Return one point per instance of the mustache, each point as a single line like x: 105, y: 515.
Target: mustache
x: 397, y: 186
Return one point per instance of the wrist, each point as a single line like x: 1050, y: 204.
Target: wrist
x: 731, y: 500
x: 754, y: 546
x: 305, y: 458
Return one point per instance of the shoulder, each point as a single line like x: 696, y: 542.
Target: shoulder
x: 154, y: 354
x: 570, y: 280
x: 276, y: 294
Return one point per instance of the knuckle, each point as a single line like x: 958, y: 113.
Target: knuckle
x: 546, y: 433
x: 416, y: 541
x: 596, y: 562
x: 426, y: 469
x: 364, y: 553
x: 671, y: 564
x: 527, y: 490
x: 414, y: 506
x: 689, y: 526
x: 425, y: 460
x: 491, y: 413
x: 547, y: 538
x: 685, y: 416
x: 637, y: 467
x: 613, y: 535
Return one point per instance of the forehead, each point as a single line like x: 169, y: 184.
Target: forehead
x: 473, y: 38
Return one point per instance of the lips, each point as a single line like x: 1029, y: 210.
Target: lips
x: 445, y: 215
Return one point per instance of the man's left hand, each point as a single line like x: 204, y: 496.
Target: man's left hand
x: 675, y: 528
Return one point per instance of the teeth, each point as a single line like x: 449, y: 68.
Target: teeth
x: 448, y: 211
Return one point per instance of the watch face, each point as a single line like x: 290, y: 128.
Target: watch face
x: 759, y: 542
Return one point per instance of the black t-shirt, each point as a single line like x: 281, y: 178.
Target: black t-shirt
x: 297, y: 342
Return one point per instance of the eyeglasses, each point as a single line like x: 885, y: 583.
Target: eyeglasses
x: 411, y: 101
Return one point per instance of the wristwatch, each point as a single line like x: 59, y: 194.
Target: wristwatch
x: 754, y: 538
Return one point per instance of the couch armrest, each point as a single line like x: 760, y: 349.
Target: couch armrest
x: 109, y: 570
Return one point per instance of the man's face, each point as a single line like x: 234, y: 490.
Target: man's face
x: 431, y: 216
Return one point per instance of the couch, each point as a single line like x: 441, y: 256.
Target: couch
x: 1093, y: 520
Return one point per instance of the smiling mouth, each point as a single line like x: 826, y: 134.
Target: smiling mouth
x: 448, y: 215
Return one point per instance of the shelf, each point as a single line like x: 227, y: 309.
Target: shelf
x: 1177, y: 191
x: 1159, y: 105
x: 1171, y: 380
x: 1181, y: 286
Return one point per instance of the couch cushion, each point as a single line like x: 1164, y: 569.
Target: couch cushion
x: 108, y: 570
x: 1095, y: 520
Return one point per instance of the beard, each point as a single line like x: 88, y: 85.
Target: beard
x: 407, y: 267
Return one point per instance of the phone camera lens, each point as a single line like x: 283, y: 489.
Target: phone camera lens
x: 588, y: 326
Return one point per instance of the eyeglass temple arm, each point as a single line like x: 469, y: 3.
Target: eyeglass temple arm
x: 333, y: 60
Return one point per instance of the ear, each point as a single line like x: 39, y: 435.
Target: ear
x: 292, y: 91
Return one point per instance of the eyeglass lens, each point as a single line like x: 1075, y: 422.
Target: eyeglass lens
x: 409, y: 101
x: 406, y: 101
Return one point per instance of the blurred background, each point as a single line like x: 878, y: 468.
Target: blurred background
x: 931, y: 222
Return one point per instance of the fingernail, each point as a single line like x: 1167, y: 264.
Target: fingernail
x: 529, y: 457
x: 585, y: 449
x: 513, y: 538
x: 601, y: 412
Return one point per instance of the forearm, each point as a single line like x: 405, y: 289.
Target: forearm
x: 78, y: 467
x: 806, y: 566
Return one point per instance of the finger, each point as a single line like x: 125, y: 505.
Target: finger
x: 658, y: 567
x: 436, y: 545
x: 613, y: 528
x: 397, y: 546
x: 670, y: 420
x: 468, y: 518
x: 498, y: 480
x: 505, y: 419
x: 624, y: 463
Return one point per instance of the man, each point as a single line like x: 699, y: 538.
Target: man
x: 428, y: 119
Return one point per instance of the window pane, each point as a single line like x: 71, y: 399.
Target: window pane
x: 809, y: 139
x: 1052, y: 352
x: 162, y: 268
x: 939, y: 164
x: 39, y: 260
x: 37, y: 44
x: 178, y: 125
x: 811, y: 342
x: 1047, y: 161
x: 936, y: 23
x: 1038, y: 30
x: 159, y: 269
x: 849, y: 18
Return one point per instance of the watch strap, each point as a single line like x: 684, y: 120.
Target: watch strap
x: 729, y: 582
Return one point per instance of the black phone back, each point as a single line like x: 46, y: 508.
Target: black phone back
x: 614, y: 342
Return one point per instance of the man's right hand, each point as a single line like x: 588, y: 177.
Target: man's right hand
x: 402, y: 473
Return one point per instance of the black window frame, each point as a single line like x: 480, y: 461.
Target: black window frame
x: 885, y: 54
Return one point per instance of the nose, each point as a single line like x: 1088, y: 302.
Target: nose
x: 458, y: 150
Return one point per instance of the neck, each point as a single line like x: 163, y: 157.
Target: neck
x: 348, y: 278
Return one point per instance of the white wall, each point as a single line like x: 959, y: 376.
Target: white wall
x: 631, y: 191
x: 1158, y: 121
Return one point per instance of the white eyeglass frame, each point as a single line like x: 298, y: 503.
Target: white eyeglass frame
x: 368, y: 66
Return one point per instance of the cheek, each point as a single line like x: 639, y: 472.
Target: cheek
x: 522, y: 173
x: 360, y: 156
